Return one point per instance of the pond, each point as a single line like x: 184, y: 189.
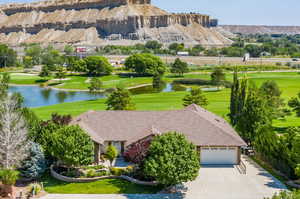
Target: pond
x: 35, y: 96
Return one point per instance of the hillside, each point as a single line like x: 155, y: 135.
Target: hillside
x: 244, y: 29
x: 97, y: 22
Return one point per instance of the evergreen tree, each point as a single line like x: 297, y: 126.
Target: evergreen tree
x: 294, y: 103
x: 179, y: 67
x: 254, y: 114
x: 35, y: 165
x: 111, y: 153
x: 120, y: 100
x: 238, y: 97
x: 95, y: 85
x: 217, y: 77
x: 196, y: 96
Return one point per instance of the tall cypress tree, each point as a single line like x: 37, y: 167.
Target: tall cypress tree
x: 238, y: 97
x: 255, y: 113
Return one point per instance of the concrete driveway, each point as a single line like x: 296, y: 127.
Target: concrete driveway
x: 225, y: 182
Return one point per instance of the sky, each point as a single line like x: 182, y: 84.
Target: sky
x: 236, y: 12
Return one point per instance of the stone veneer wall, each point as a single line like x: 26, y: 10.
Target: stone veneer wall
x: 81, y: 180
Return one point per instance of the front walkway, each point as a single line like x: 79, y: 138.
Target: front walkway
x: 225, y: 182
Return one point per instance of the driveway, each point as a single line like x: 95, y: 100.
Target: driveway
x: 225, y: 182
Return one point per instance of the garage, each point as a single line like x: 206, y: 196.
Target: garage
x: 219, y: 155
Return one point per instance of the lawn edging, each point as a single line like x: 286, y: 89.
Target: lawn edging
x: 57, y: 176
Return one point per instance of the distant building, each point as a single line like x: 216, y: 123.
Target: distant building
x: 183, y: 53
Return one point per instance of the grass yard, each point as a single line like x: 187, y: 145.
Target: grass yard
x: 106, y: 186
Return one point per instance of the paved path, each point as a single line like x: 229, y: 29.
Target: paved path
x: 213, y: 183
x: 228, y: 183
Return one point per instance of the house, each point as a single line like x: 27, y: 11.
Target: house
x: 216, y: 140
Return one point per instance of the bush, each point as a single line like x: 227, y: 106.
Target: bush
x: 9, y: 177
x: 92, y: 173
x: 35, y: 188
x: 117, y: 171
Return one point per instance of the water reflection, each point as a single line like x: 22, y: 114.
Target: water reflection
x: 163, y: 88
x: 35, y: 96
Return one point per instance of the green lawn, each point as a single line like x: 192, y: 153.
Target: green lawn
x: 18, y: 78
x: 218, y: 101
x: 106, y: 186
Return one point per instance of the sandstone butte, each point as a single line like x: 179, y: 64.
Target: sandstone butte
x: 103, y: 22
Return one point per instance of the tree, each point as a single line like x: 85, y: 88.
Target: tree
x: 13, y: 133
x: 157, y: 83
x: 79, y: 66
x: 68, y: 50
x: 111, y: 153
x: 272, y: 93
x: 27, y: 61
x: 145, y: 64
x: 237, y: 98
x: 8, y: 57
x: 51, y: 58
x: 72, y: 146
x: 255, y: 113
x: 176, y: 47
x: 154, y: 45
x: 297, y: 170
x: 35, y: 52
x: 60, y: 74
x: 172, y: 159
x: 95, y: 85
x: 120, y: 100
x: 179, y: 67
x: 294, y: 103
x: 196, y: 96
x: 35, y: 165
x: 218, y: 76
x: 97, y: 65
x: 45, y: 72
x: 287, y: 195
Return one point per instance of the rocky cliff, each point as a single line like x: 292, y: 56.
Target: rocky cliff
x: 100, y: 21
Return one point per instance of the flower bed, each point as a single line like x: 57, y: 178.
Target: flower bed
x: 60, y: 177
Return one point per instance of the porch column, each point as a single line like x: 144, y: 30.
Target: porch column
x: 96, y: 153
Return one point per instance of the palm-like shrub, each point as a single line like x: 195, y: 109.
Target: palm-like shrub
x: 9, y: 176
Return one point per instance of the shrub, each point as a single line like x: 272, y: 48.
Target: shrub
x: 111, y: 153
x: 35, y: 188
x: 91, y: 173
x: 8, y: 176
x: 117, y: 171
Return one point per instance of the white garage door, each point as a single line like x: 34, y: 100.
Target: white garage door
x: 218, y: 155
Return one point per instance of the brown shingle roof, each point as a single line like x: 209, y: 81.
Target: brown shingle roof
x: 200, y: 126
